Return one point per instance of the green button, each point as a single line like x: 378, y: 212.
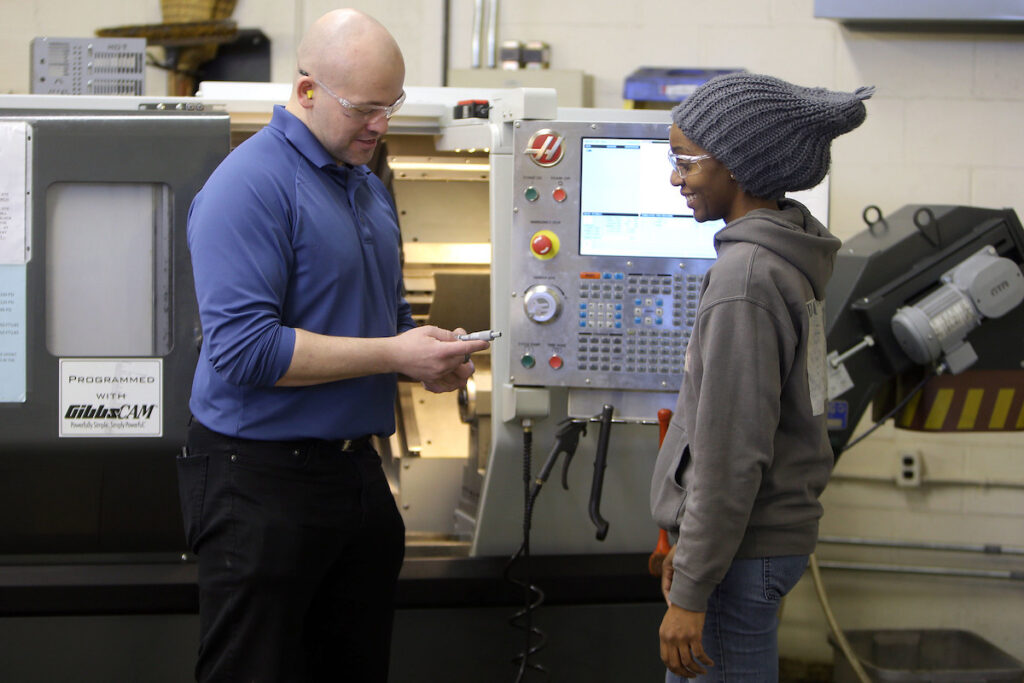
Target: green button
x: 531, y: 194
x: 527, y: 360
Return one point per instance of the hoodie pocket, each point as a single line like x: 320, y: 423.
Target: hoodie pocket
x: 668, y: 494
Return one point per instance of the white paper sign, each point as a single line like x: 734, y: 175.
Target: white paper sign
x: 816, y: 378
x: 13, y: 377
x: 111, y: 397
x: 13, y: 161
x: 839, y: 381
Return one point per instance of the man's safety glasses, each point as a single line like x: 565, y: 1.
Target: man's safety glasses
x: 362, y: 112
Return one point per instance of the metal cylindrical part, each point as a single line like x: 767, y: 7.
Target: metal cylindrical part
x: 1012, y: 575
x: 492, y: 33
x: 478, y: 27
x: 934, y: 324
x: 986, y: 548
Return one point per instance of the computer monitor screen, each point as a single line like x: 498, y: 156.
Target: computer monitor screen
x: 629, y: 208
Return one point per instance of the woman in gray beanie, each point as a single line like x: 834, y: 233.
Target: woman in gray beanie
x: 747, y: 455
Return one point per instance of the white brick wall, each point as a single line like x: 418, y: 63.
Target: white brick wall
x: 20, y: 22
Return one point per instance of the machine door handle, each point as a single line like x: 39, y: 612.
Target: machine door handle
x: 600, y: 461
x: 663, y: 547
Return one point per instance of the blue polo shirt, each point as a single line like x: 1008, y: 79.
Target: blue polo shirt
x: 282, y: 237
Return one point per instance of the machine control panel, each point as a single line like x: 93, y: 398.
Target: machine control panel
x: 607, y: 260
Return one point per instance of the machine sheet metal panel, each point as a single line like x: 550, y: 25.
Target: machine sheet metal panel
x: 88, y: 66
x: 921, y: 10
x: 68, y: 488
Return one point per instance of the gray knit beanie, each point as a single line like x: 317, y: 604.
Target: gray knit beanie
x: 772, y: 135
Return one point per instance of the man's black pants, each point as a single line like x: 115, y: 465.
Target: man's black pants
x: 299, y: 547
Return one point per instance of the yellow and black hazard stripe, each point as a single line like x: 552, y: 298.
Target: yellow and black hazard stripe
x: 973, y: 401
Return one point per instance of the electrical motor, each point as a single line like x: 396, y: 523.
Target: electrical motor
x: 985, y: 285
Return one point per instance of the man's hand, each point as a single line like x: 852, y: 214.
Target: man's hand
x: 452, y: 381
x: 680, y: 631
x: 436, y: 357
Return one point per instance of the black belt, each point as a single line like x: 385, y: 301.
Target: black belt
x: 344, y: 445
x: 358, y: 444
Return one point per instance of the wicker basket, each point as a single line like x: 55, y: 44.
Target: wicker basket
x: 183, y: 34
x: 178, y: 11
x: 193, y: 28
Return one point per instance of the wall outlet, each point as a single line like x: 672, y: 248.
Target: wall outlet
x: 910, y: 469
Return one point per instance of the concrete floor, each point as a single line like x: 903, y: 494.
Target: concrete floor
x: 593, y: 643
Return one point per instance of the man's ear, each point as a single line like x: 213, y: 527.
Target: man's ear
x: 304, y: 91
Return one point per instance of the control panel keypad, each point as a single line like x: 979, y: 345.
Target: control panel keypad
x: 638, y: 323
x: 600, y: 352
x: 657, y: 352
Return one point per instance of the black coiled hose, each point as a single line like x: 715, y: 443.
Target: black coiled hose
x: 533, y: 596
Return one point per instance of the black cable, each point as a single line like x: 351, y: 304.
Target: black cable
x: 171, y: 66
x: 932, y: 372
x: 533, y: 596
x: 567, y: 439
x: 166, y: 66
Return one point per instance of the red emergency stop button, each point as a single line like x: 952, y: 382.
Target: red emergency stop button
x: 555, y: 362
x: 559, y: 194
x: 544, y: 244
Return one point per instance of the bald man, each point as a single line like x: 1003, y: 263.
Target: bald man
x: 295, y: 252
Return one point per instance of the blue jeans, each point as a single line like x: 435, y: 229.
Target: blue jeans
x: 741, y: 626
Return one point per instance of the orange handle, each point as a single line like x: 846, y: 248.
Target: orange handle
x: 662, y: 548
x: 664, y: 417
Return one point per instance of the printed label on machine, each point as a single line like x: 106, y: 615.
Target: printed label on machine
x: 13, y: 159
x: 111, y: 398
x: 12, y: 334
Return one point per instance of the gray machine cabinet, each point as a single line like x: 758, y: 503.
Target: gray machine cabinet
x: 68, y: 496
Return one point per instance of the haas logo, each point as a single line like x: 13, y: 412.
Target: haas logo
x: 545, y: 148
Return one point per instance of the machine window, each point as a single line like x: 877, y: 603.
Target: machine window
x: 108, y: 269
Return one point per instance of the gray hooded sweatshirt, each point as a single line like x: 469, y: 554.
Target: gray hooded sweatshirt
x: 746, y: 454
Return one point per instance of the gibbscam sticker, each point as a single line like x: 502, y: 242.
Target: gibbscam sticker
x: 111, y: 398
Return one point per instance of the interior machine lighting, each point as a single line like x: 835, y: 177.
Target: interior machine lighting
x: 436, y: 166
x: 985, y: 285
